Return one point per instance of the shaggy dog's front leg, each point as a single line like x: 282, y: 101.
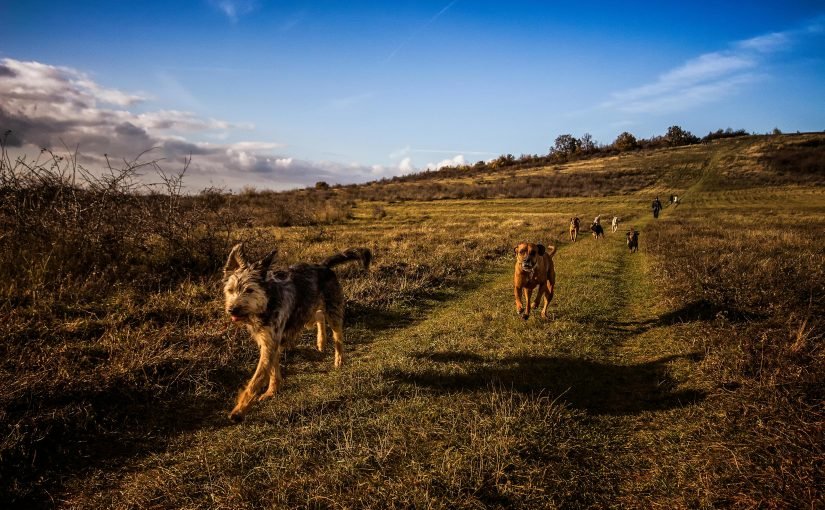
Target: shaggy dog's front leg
x: 274, y: 374
x: 269, y: 351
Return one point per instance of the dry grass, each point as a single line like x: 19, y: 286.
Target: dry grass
x: 750, y: 287
x: 118, y: 371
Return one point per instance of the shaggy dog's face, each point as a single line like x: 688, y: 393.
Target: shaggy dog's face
x: 527, y: 255
x: 243, y: 295
x: 243, y: 291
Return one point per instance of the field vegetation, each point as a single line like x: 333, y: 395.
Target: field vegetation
x: 688, y: 375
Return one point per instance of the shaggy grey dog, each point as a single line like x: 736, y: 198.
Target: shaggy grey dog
x: 276, y: 305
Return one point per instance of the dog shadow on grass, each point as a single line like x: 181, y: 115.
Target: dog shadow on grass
x: 695, y: 311
x: 596, y: 387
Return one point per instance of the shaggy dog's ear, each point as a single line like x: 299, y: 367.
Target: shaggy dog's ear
x: 515, y: 250
x: 267, y: 261
x: 236, y: 260
x: 542, y: 249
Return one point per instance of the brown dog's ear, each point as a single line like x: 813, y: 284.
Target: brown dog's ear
x: 542, y: 249
x: 515, y: 250
x: 267, y: 261
x: 236, y: 260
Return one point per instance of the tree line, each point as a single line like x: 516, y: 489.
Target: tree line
x: 567, y: 147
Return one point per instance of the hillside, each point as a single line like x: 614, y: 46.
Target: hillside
x: 688, y: 375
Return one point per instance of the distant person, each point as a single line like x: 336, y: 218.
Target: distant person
x: 675, y: 200
x: 598, y: 220
x: 656, y: 206
x: 615, y: 224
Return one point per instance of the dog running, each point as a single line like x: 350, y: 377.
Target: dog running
x: 574, y: 229
x: 534, y: 269
x: 614, y: 225
x: 597, y: 229
x: 276, y: 305
x: 633, y: 240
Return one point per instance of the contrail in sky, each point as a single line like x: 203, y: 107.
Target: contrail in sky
x: 420, y: 29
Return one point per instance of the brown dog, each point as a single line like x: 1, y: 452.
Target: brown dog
x: 574, y: 229
x: 534, y: 269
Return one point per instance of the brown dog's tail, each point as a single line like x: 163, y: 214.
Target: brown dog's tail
x: 361, y: 254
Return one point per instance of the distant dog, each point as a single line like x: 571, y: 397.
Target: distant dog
x: 597, y: 229
x: 615, y: 224
x: 275, y: 305
x: 633, y: 240
x: 534, y: 269
x: 574, y: 229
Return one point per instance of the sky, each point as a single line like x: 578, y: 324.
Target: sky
x: 282, y: 94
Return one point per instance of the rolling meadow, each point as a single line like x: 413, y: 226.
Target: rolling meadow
x: 688, y: 375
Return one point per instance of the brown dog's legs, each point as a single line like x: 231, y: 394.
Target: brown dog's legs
x: 529, y: 297
x: 548, y: 296
x: 270, y: 353
x: 539, y: 295
x: 519, y: 305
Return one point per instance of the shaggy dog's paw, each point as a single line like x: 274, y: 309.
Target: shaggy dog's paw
x: 235, y: 417
x: 266, y: 396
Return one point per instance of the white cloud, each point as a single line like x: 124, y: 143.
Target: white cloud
x: 406, y: 166
x: 48, y: 106
x: 766, y: 43
x: 454, y: 161
x: 707, y: 78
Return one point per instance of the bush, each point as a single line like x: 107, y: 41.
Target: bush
x: 62, y: 223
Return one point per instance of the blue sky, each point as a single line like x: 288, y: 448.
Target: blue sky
x: 281, y: 94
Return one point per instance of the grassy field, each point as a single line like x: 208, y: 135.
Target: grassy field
x: 688, y: 375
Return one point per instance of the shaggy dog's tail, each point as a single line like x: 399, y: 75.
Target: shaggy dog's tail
x: 363, y: 255
x: 550, y: 250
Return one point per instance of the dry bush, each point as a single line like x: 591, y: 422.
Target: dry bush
x: 64, y: 227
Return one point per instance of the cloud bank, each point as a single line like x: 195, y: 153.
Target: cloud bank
x: 55, y: 107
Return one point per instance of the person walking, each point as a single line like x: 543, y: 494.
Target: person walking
x: 656, y: 206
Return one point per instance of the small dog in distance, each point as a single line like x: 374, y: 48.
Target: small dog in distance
x: 574, y: 229
x: 633, y: 240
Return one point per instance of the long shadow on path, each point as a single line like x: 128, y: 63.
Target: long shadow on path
x: 596, y: 387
